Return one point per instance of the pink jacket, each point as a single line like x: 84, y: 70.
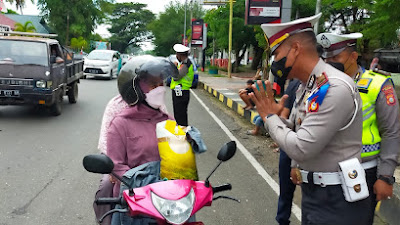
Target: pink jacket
x: 132, y: 140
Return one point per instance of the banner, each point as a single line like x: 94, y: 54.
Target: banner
x: 263, y: 11
x: 197, y: 32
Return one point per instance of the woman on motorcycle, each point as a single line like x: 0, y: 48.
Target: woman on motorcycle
x: 131, y: 137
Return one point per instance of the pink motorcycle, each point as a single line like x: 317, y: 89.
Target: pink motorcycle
x: 168, y: 202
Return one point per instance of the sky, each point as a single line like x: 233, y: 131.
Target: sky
x: 156, y: 6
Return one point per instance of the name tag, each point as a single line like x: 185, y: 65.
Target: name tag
x: 364, y: 83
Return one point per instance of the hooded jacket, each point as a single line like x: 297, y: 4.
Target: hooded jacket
x: 132, y: 140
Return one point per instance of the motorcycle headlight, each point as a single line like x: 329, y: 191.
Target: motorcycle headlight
x: 41, y: 84
x: 174, y: 211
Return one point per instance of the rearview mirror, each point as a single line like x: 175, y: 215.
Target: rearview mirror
x: 227, y: 151
x: 99, y: 163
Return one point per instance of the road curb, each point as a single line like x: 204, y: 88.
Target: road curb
x: 388, y: 210
x: 229, y: 102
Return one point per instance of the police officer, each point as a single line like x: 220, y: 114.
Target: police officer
x: 324, y: 128
x: 181, y: 86
x: 381, y: 127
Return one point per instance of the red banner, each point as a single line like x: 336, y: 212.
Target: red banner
x: 197, y: 32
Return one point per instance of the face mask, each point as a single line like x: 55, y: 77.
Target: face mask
x: 156, y: 97
x: 279, y: 70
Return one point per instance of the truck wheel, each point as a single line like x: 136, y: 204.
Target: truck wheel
x: 56, y: 109
x: 73, y: 93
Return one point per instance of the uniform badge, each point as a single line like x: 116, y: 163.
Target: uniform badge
x: 353, y: 174
x: 364, y: 83
x: 325, y: 42
x: 313, y: 106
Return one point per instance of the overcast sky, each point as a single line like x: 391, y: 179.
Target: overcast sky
x: 156, y: 6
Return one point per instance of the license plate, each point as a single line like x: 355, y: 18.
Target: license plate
x: 93, y: 71
x: 9, y: 93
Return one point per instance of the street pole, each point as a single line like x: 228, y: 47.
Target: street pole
x: 184, y: 26
x: 230, y: 38
x: 191, y: 17
x: 317, y: 10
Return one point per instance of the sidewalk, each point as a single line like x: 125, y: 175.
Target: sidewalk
x: 226, y: 90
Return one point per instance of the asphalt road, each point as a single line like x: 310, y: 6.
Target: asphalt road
x: 43, y: 181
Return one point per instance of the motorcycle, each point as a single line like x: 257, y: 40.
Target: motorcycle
x: 167, y: 202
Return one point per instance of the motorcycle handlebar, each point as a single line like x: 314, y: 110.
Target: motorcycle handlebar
x: 224, y: 187
x: 108, y: 201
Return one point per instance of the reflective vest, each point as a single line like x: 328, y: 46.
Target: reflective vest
x: 369, y: 86
x: 186, y: 81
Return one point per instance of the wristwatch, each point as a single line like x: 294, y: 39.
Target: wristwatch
x: 388, y: 179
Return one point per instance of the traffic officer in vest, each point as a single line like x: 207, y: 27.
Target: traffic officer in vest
x: 323, y: 133
x: 181, y: 86
x: 381, y: 127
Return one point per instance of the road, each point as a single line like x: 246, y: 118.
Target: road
x: 43, y: 181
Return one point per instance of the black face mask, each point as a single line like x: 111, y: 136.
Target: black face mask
x: 279, y: 70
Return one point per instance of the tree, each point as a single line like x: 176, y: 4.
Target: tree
x: 19, y: 4
x: 243, y: 36
x: 384, y: 24
x: 168, y: 28
x: 129, y: 25
x: 27, y: 27
x: 79, y: 43
x: 72, y: 18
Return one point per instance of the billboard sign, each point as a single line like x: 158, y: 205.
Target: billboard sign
x: 197, y: 32
x: 263, y: 11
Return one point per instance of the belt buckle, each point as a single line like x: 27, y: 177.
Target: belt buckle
x: 321, y: 179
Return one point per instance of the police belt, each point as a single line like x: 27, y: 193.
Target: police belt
x: 370, y: 164
x: 321, y: 178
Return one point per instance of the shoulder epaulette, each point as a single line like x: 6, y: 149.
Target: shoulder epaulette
x: 376, y: 70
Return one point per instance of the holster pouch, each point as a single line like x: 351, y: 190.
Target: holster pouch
x: 354, y: 183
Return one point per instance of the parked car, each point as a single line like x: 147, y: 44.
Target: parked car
x: 102, y: 63
x: 37, y: 71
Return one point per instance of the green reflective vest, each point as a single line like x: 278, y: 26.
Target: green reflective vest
x: 187, y: 80
x: 369, y: 86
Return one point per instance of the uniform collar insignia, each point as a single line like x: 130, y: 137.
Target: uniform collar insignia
x: 322, y: 79
x: 311, y: 82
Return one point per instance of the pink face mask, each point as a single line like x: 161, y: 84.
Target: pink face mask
x: 156, y: 98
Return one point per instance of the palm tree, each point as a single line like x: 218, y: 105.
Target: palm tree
x: 19, y: 4
x: 27, y: 27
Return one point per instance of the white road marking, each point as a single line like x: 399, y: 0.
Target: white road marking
x: 271, y: 182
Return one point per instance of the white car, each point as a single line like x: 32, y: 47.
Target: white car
x: 102, y: 63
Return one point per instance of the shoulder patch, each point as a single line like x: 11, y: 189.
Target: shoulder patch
x: 313, y: 105
x: 364, y: 83
x: 389, y: 94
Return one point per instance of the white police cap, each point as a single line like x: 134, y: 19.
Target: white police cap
x: 180, y: 48
x: 278, y: 32
x: 333, y: 44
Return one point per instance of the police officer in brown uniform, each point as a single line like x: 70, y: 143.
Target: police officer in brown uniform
x: 324, y: 129
x: 381, y: 126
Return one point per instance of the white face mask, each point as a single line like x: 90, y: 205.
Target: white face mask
x: 156, y: 98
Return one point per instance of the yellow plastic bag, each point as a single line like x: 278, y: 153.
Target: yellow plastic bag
x: 177, y: 157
